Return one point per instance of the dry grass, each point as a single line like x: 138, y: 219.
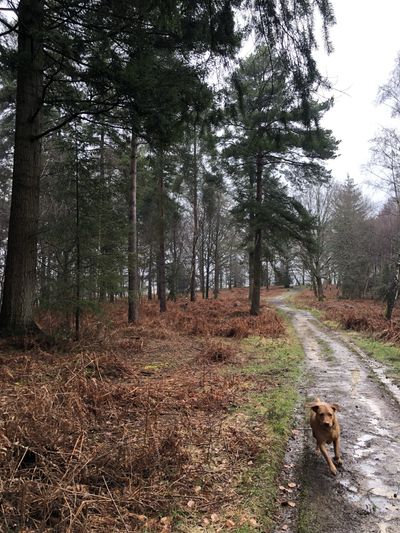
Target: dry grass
x: 357, y: 315
x: 132, y: 423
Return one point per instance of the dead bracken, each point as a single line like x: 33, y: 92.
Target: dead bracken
x: 130, y: 423
x: 358, y: 315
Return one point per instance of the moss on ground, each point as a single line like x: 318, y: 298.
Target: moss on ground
x: 384, y: 352
x: 280, y: 362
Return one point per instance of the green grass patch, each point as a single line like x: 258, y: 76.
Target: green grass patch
x: 326, y: 350
x: 384, y: 352
x: 280, y: 362
x: 308, y: 519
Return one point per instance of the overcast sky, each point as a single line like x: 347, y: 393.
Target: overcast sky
x: 366, y: 40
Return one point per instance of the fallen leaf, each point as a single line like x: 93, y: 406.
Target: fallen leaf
x: 292, y: 485
x: 285, y: 527
x: 197, y: 489
x: 253, y: 522
x: 281, y: 487
x: 230, y: 523
x: 214, y: 518
x: 291, y: 504
x: 190, y: 504
x: 206, y: 521
x: 166, y: 520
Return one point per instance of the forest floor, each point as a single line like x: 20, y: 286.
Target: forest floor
x: 364, y: 497
x: 178, y: 423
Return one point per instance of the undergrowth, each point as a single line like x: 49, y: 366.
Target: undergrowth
x: 151, y: 427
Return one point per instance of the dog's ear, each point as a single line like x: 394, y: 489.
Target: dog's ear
x: 314, y: 406
x: 336, y: 407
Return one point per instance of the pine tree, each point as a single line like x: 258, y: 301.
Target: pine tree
x: 349, y: 241
x: 273, y: 131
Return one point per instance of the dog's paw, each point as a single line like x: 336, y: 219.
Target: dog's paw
x: 338, y: 461
x: 333, y: 470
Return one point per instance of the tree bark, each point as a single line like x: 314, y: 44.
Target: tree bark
x: 257, y: 254
x: 251, y: 272
x: 195, y: 221
x: 173, y: 281
x: 133, y: 274
x: 16, y: 314
x: 217, y: 269
x: 102, y: 285
x: 150, y: 275
x: 201, y: 262
x: 318, y: 282
x: 78, y: 274
x: 161, y: 243
x: 393, y: 291
x: 320, y: 288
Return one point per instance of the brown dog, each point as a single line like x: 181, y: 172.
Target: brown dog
x: 326, y: 429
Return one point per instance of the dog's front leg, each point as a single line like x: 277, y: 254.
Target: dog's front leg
x: 336, y: 446
x: 328, y: 459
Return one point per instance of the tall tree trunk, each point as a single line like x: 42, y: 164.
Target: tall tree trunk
x: 161, y: 242
x: 320, y: 289
x: 150, y: 275
x: 251, y: 273
x: 251, y: 240
x: 208, y: 266
x: 174, y: 267
x: 255, y: 300
x: 133, y: 271
x: 195, y: 220
x: 102, y: 285
x: 43, y: 279
x: 16, y: 314
x: 230, y: 270
x: 267, y: 278
x: 314, y: 285
x: 393, y: 291
x: 201, y: 262
x: 78, y: 274
x: 217, y: 268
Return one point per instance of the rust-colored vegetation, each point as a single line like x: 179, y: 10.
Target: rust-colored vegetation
x: 132, y: 423
x: 357, y: 315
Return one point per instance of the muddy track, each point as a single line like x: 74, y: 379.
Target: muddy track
x: 364, y: 497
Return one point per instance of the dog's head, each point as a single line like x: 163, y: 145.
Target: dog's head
x: 325, y: 412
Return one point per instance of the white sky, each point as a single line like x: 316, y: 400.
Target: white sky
x: 366, y: 41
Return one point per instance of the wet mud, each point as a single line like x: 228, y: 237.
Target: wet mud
x: 364, y: 497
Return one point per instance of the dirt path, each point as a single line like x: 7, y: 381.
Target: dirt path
x: 365, y: 495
